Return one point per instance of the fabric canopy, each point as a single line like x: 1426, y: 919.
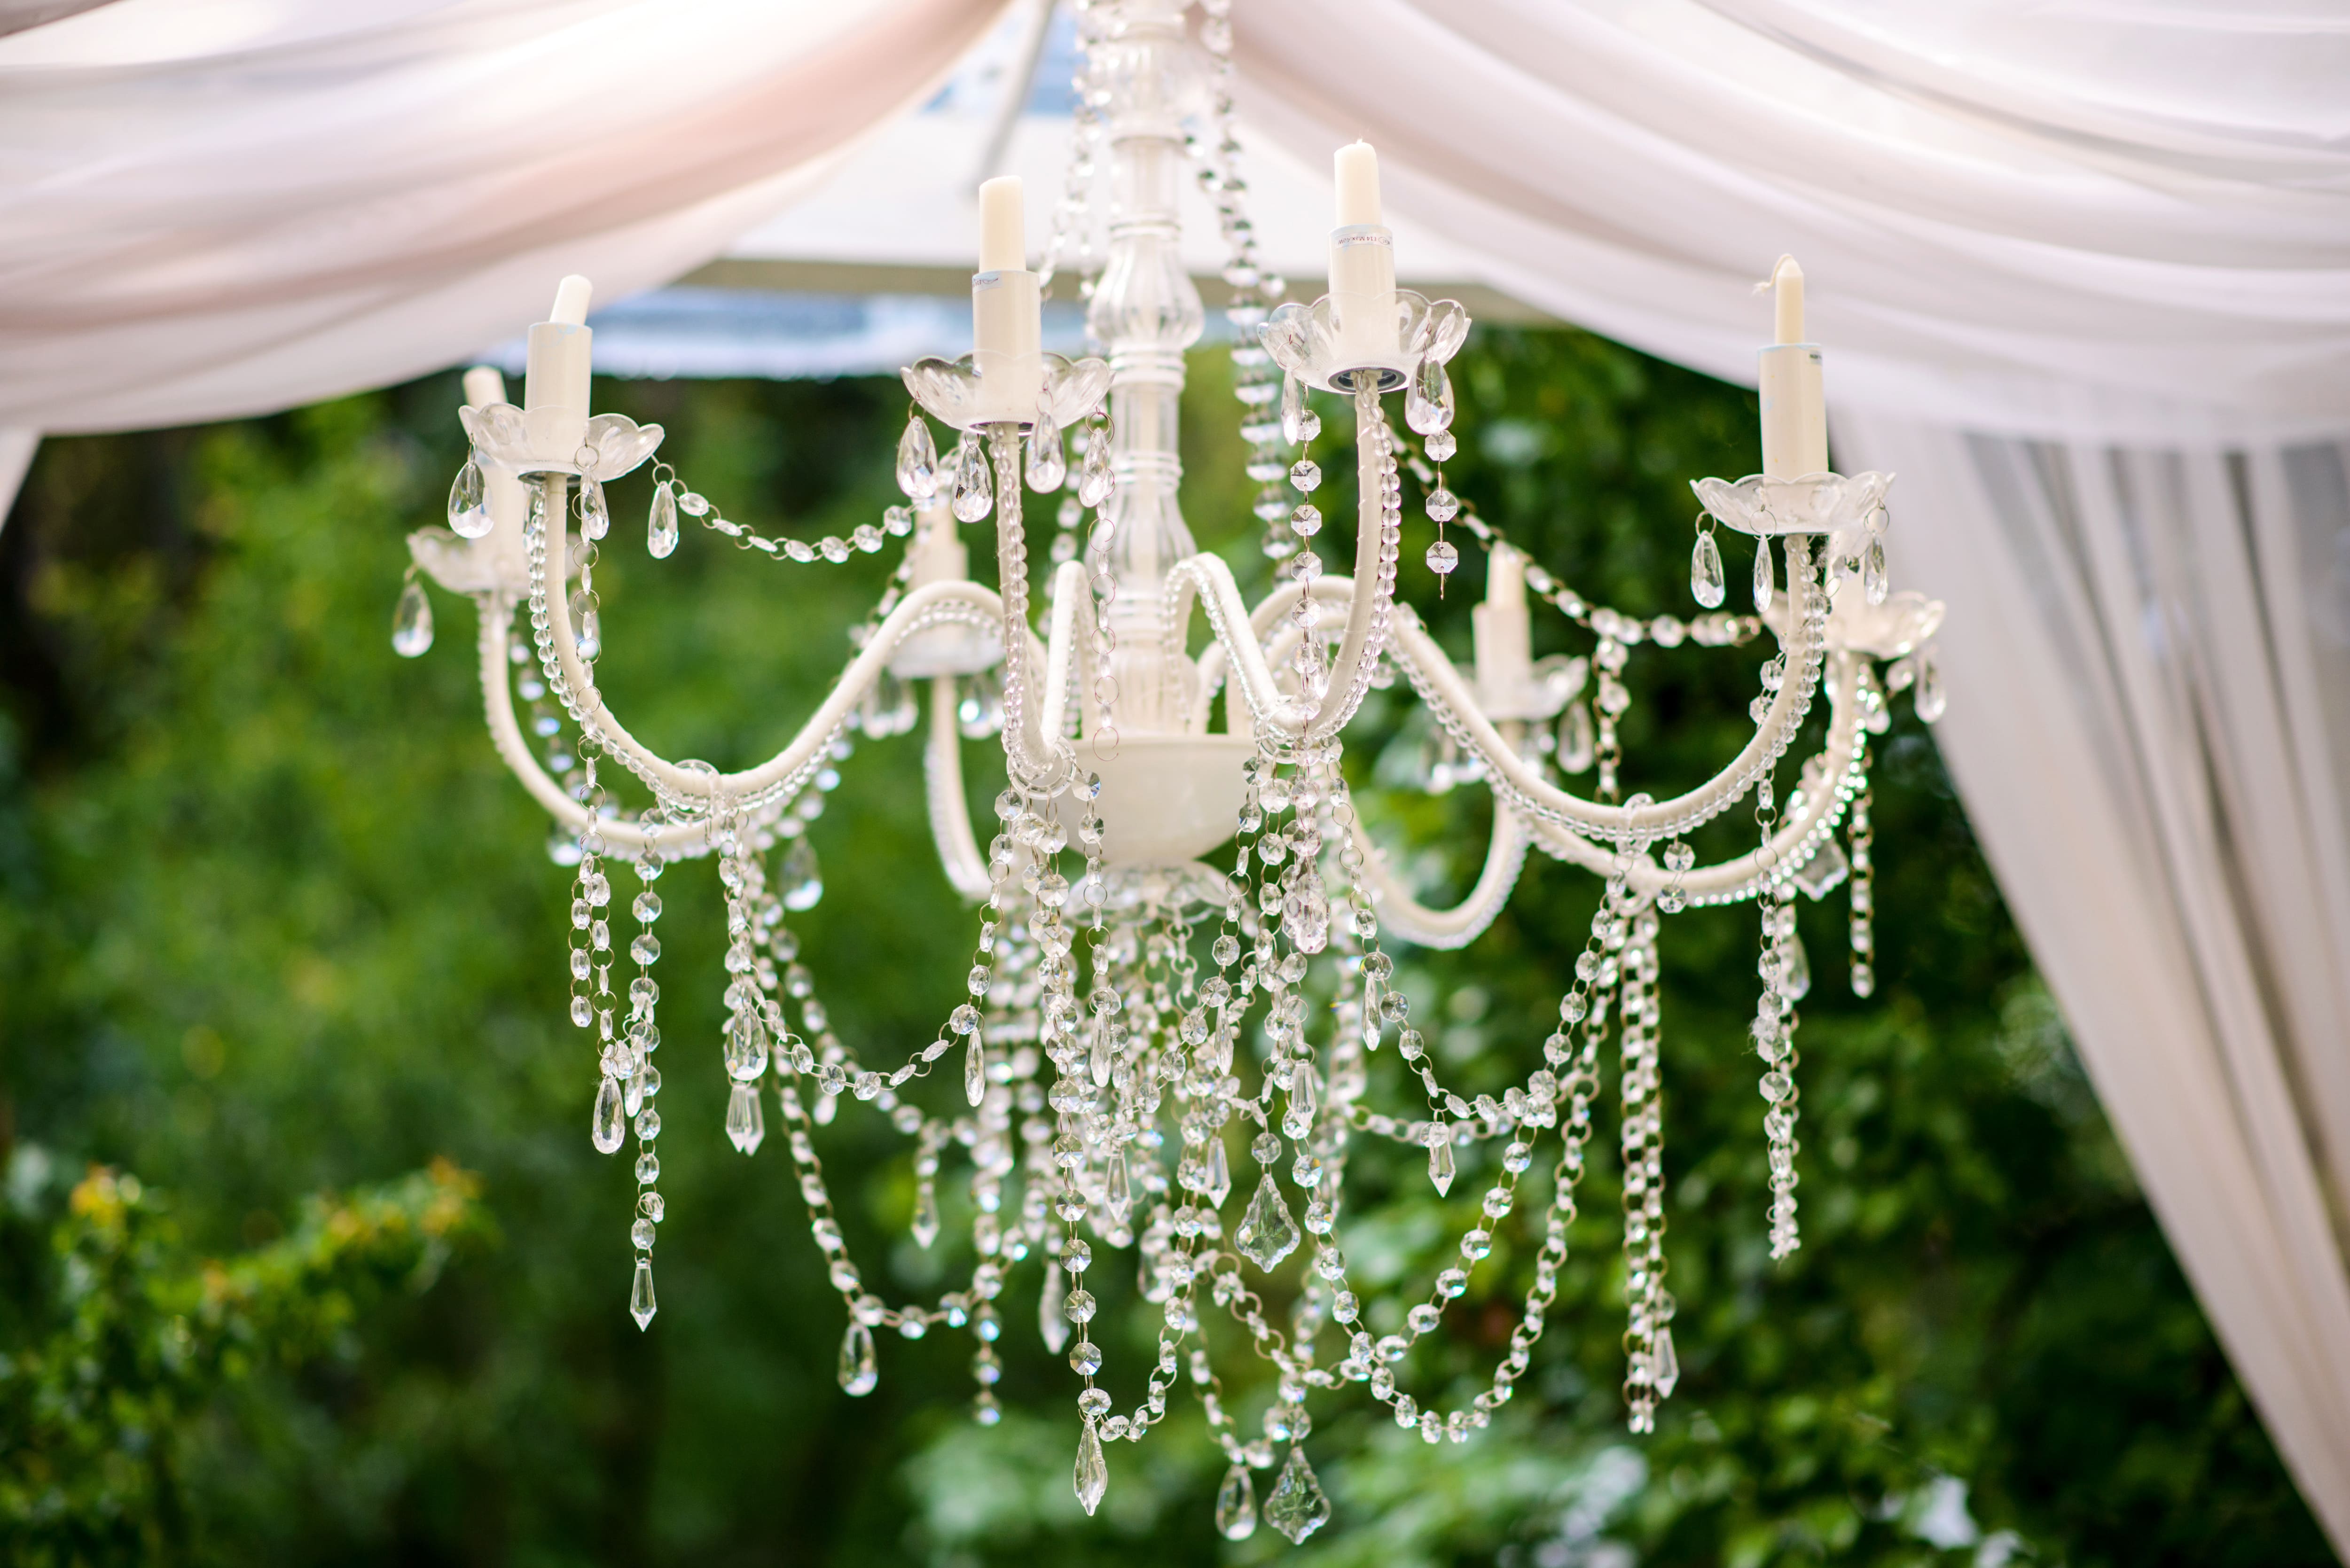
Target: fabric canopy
x: 212, y: 208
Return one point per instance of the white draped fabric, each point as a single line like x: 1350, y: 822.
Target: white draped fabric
x: 2083, y: 273
x: 2083, y: 277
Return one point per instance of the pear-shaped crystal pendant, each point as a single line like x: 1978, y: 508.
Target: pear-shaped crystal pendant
x: 1118, y: 1188
x: 607, y: 1125
x: 975, y: 490
x: 1930, y: 696
x: 1299, y: 423
x: 1440, y: 1157
x: 802, y: 879
x: 1096, y: 479
x: 1092, y: 1473
x: 1267, y: 1232
x: 1765, y: 583
x: 858, y: 1373
x: 1873, y: 580
x: 1236, y: 1505
x: 595, y: 516
x: 974, y: 1070
x: 1296, y: 1508
x: 469, y: 508
x: 917, y: 460
x: 1051, y: 1321
x: 1428, y: 405
x: 746, y: 1047
x: 661, y: 526
x: 746, y: 1124
x: 924, y: 1227
x: 1048, y: 465
x: 641, y: 1305
x: 1664, y: 1364
x: 1705, y: 584
x: 412, y: 621
x: 1796, y: 974
x: 1578, y: 742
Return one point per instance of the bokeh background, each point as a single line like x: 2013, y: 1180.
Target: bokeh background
x: 306, y: 1256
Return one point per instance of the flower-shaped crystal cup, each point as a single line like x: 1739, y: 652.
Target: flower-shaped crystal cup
x: 948, y: 390
x: 1320, y: 346
x: 1899, y: 626
x: 614, y: 444
x: 1813, y: 504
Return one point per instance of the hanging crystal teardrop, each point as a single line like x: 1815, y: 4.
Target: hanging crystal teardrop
x: 974, y: 1070
x: 1578, y: 740
x: 1096, y: 479
x: 1298, y: 1508
x: 924, y: 1227
x: 660, y: 526
x: 412, y: 622
x: 917, y: 460
x: 1050, y: 1323
x: 1440, y: 1167
x: 1764, y: 582
x: 1236, y: 1505
x: 858, y: 1372
x: 1118, y: 1188
x: 1092, y: 1473
x: 1427, y: 406
x: 1299, y: 422
x: 1665, y: 1365
x: 607, y: 1125
x: 975, y: 490
x: 1929, y: 697
x: 1267, y: 1232
x: 802, y: 879
x: 1795, y: 976
x: 1705, y: 584
x: 595, y: 516
x: 1048, y: 464
x: 469, y: 510
x: 641, y: 1305
x: 1873, y: 580
x: 746, y: 1048
x: 746, y: 1123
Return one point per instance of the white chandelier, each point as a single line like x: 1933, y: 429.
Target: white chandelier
x: 1107, y: 1099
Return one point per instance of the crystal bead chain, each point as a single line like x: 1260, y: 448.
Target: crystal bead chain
x: 897, y: 522
x: 1862, y: 839
x: 1652, y: 1367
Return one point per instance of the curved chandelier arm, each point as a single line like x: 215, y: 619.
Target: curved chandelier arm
x: 931, y: 604
x: 1408, y: 917
x: 1367, y: 614
x: 1068, y: 650
x: 670, y: 841
x: 1443, y: 684
x: 942, y: 782
x: 1039, y: 758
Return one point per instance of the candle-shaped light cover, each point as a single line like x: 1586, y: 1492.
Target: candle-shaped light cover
x: 1362, y: 261
x: 501, y: 490
x: 1006, y: 310
x: 1794, y: 408
x: 554, y: 386
x: 1502, y: 633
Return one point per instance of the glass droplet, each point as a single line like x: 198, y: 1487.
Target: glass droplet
x: 917, y: 460
x: 1873, y: 580
x: 1092, y: 1473
x: 858, y: 1372
x: 1050, y: 1320
x: 974, y: 1070
x: 641, y: 1305
x: 1929, y: 697
x: 1267, y: 1232
x: 661, y: 526
x: 974, y: 488
x: 1796, y: 974
x: 1440, y: 1167
x: 1048, y: 465
x: 1578, y: 741
x: 1220, y: 1172
x: 1707, y: 584
x: 1665, y: 1364
x: 607, y: 1124
x: 1442, y: 558
x: 412, y: 621
x: 469, y: 509
x: 1096, y: 479
x: 595, y: 516
x: 1299, y: 423
x: 746, y: 1048
x: 924, y: 1228
x: 746, y: 1124
x: 1428, y: 405
x: 1236, y: 1505
x: 1764, y: 582
x: 1298, y: 1508
x: 802, y: 877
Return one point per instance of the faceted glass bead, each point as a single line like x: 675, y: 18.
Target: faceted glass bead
x: 660, y: 524
x: 1705, y: 584
x: 469, y: 510
x: 858, y: 1373
x: 640, y: 1234
x: 1307, y: 912
x: 1092, y: 1473
x: 607, y: 1125
x: 917, y: 460
x: 1873, y: 580
x: 1442, y: 558
x: 1440, y: 1167
x: 1428, y: 405
x: 802, y: 879
x: 641, y: 1305
x: 1578, y: 742
x: 1267, y: 1232
x: 1096, y: 479
x: 1048, y: 464
x: 1443, y: 506
x: 974, y: 488
x: 412, y: 621
x: 1296, y: 1508
x: 1306, y: 475
x: 1236, y: 1505
x: 746, y: 1124
x: 1440, y: 446
x: 1764, y: 582
x: 1306, y: 521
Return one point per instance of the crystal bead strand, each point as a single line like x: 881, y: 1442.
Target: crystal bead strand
x: 746, y: 1045
x: 1862, y: 839
x: 644, y: 1082
x: 1652, y: 1366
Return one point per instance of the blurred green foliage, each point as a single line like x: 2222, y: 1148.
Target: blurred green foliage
x: 272, y: 921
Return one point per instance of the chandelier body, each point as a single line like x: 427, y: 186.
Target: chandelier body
x: 1142, y: 1035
